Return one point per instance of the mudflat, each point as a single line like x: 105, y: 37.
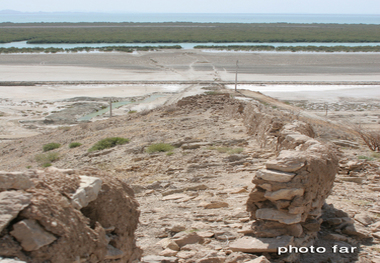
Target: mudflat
x: 186, y: 65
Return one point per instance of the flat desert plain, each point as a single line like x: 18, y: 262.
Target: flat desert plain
x: 346, y: 86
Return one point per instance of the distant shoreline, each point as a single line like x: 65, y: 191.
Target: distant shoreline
x: 20, y: 17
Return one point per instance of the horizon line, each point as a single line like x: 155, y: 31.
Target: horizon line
x: 128, y: 12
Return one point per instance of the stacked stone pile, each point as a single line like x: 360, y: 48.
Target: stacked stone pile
x: 63, y: 215
x: 289, y: 193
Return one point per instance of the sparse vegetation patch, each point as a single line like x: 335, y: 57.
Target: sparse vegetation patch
x: 45, y: 159
x: 160, y: 147
x: 363, y: 157
x: 108, y: 143
x: 74, y: 144
x: 50, y: 146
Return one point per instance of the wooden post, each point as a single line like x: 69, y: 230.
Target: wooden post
x: 237, y: 61
x: 110, y: 108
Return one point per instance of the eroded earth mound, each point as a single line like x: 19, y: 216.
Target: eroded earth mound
x: 64, y: 215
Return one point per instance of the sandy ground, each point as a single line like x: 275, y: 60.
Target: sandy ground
x: 177, y: 72
x: 184, y: 65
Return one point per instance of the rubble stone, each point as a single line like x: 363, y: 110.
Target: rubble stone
x: 158, y: 259
x: 287, y: 161
x: 183, y: 238
x: 276, y: 176
x: 87, y: 192
x: 113, y: 253
x: 261, y: 259
x: 31, y: 235
x: 260, y: 245
x: 14, y: 181
x: 277, y: 215
x: 11, y: 203
x: 284, y: 194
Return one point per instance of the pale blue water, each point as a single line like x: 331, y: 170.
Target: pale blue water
x: 23, y: 44
x: 172, y: 17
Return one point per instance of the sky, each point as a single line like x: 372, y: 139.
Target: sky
x: 197, y: 6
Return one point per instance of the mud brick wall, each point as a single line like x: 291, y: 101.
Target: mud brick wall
x: 290, y: 192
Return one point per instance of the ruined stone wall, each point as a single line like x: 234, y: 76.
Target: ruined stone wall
x: 290, y: 192
x: 67, y: 216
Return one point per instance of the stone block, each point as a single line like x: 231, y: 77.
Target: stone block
x: 184, y: 238
x: 287, y: 161
x: 14, y: 181
x: 284, y: 194
x: 88, y: 191
x: 113, y: 253
x: 277, y: 215
x: 31, y: 235
x: 11, y: 203
x: 276, y: 176
x: 260, y: 245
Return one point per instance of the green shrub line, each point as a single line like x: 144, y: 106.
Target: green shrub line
x: 293, y: 48
x: 74, y: 144
x: 86, y: 49
x: 184, y: 32
x: 214, y: 47
x: 108, y: 143
x: 160, y: 147
x: 50, y: 146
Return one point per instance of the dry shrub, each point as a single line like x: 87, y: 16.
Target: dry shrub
x: 371, y: 138
x: 171, y: 108
x: 84, y: 125
x: 64, y: 128
x: 99, y: 126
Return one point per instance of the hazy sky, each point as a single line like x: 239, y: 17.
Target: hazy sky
x: 198, y: 6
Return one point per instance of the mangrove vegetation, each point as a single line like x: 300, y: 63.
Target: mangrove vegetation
x: 84, y: 49
x: 293, y: 48
x: 186, y: 32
